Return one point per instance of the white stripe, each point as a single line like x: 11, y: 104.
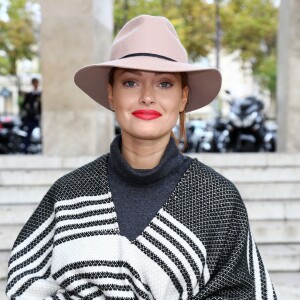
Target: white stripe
x: 32, y: 265
x: 193, y: 237
x: 86, y: 219
x: 168, y: 262
x: 184, y: 244
x: 44, y: 285
x: 84, y: 209
x: 248, y: 250
x: 110, y: 248
x: 61, y: 297
x: 179, y: 256
x: 256, y: 272
x: 102, y: 297
x: 97, y: 281
x: 33, y: 251
x: 269, y: 286
x: 84, y: 230
x: 37, y: 232
x: 120, y: 294
x: 82, y: 199
x: 88, y: 291
x: 88, y: 270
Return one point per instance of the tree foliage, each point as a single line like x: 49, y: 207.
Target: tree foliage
x: 192, y: 19
x: 16, y: 37
x: 248, y: 26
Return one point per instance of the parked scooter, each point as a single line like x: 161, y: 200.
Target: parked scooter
x: 199, y: 137
x: 245, y: 129
x: 11, y: 135
x: 219, y: 139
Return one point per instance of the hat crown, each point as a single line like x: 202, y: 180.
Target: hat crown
x: 151, y: 35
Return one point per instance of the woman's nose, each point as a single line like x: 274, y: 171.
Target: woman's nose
x: 147, y: 97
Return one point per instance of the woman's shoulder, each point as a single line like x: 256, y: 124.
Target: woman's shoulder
x: 207, y: 203
x: 89, y: 179
x: 209, y: 177
x: 211, y: 189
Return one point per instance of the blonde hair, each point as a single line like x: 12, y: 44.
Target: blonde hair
x: 182, y: 115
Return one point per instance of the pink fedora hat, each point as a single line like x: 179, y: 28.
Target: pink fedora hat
x: 149, y: 43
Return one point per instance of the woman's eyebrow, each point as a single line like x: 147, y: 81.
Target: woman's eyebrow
x: 164, y: 74
x: 136, y: 72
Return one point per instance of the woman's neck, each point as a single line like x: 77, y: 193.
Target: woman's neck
x: 143, y: 154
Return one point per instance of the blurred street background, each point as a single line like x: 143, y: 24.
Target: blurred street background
x: 250, y: 133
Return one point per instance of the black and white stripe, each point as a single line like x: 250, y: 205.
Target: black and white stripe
x: 263, y: 286
x: 185, y: 268
x: 71, y: 248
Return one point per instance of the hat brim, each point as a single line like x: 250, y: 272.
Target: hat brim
x: 204, y: 84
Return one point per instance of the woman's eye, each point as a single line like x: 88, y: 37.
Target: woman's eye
x: 129, y: 83
x: 165, y: 85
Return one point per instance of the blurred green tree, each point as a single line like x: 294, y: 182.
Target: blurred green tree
x: 248, y: 26
x: 196, y: 33
x: 16, y: 36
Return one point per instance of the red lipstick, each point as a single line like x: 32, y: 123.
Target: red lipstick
x: 146, y: 114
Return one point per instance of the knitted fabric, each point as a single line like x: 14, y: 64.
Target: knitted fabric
x: 139, y: 194
x: 198, y: 246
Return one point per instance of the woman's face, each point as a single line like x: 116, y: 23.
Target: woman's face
x: 147, y: 104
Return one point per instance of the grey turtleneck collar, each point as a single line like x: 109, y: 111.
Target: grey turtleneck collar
x: 169, y: 163
x: 139, y: 194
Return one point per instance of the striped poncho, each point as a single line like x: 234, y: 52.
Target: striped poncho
x: 198, y: 246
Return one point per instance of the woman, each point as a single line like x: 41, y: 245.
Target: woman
x: 142, y: 222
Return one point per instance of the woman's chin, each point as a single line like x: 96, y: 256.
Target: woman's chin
x: 148, y: 135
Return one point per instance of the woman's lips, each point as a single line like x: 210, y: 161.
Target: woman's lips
x: 146, y: 114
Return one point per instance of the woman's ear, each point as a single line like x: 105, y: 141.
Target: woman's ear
x: 184, y: 98
x: 110, y: 96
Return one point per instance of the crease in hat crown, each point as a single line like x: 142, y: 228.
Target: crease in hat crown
x: 149, y: 35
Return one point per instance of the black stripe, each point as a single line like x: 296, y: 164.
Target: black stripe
x: 66, y: 296
x: 114, y: 287
x: 32, y: 280
x: 148, y: 54
x: 92, y: 275
x: 85, y: 234
x: 86, y: 214
x: 263, y: 280
x: 85, y: 225
x: 30, y: 246
x: 101, y: 275
x: 181, y: 249
x: 81, y: 204
x: 251, y: 264
x: 162, y: 264
x: 102, y: 263
x: 174, y: 259
x: 93, y: 295
x: 43, y: 212
x: 31, y: 258
x: 30, y: 271
x: 83, y: 287
x: 87, y: 263
x: 184, y: 236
